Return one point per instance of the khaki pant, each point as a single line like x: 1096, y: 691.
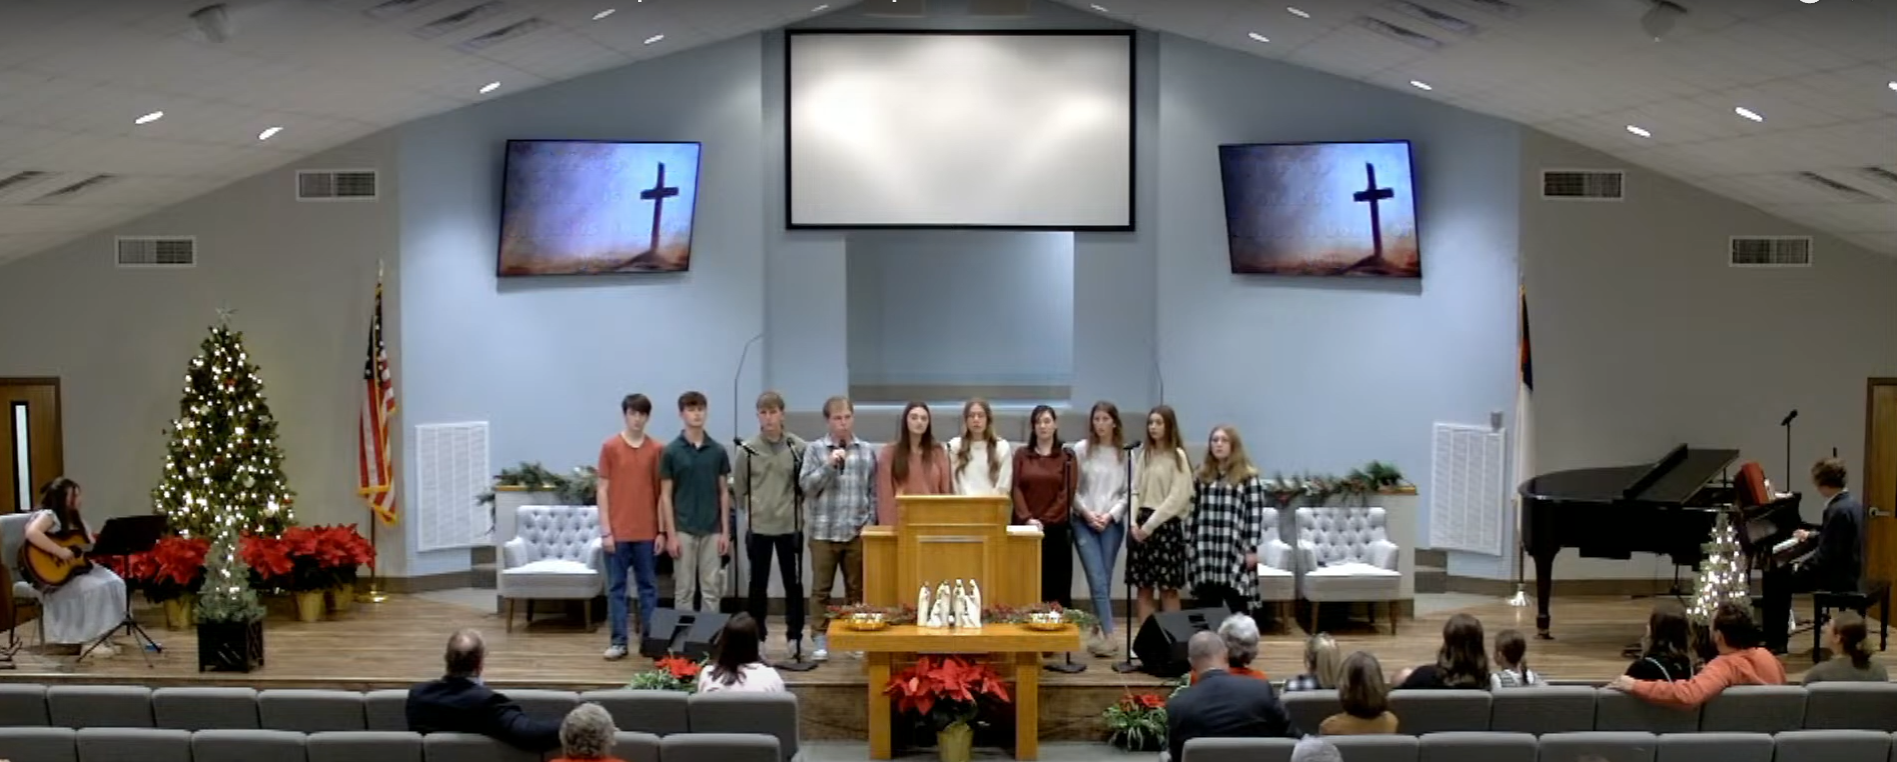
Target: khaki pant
x: 699, y: 573
x: 825, y: 558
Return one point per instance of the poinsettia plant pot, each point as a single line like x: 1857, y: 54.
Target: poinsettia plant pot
x: 309, y: 605
x: 180, y: 612
x: 955, y: 743
x: 342, y: 598
x: 230, y: 646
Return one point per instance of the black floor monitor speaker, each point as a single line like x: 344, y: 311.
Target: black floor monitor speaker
x: 1161, y: 642
x: 690, y: 634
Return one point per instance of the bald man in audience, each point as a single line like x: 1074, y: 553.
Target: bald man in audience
x: 1221, y: 704
x: 460, y: 703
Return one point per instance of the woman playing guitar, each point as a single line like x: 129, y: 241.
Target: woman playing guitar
x: 88, y: 604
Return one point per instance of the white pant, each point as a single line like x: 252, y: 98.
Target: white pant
x: 698, y: 572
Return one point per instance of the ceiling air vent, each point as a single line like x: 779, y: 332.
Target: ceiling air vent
x: 157, y: 251
x: 503, y: 34
x: 1770, y: 251
x: 1583, y: 185
x: 907, y: 9
x: 74, y: 189
x: 1400, y: 34
x: 336, y: 185
x: 998, y: 7
x: 1433, y: 16
x: 1501, y: 8
x: 22, y: 179
x: 457, y: 22
x: 1848, y: 191
x: 392, y: 8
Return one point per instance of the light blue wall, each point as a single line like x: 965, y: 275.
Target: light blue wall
x: 1327, y: 374
x: 961, y: 307
x: 546, y: 361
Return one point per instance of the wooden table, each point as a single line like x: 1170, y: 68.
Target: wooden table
x: 1013, y: 644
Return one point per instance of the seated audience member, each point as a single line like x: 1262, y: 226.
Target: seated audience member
x: 737, y: 666
x: 1314, y: 749
x: 1511, y: 662
x: 1740, y: 662
x: 1321, y: 665
x: 1240, y: 633
x: 460, y: 703
x: 1851, y: 659
x: 1461, y: 662
x: 1221, y: 704
x: 1365, y: 698
x: 1666, y: 651
x: 587, y: 735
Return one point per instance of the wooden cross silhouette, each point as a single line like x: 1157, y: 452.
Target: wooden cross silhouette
x: 657, y: 194
x: 1371, y: 195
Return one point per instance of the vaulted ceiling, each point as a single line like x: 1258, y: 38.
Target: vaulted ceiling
x: 76, y: 76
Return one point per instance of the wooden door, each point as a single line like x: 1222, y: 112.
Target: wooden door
x: 1880, y: 478
x: 32, y: 451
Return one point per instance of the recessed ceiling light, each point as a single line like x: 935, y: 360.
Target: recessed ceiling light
x: 1639, y: 131
x: 149, y: 118
x: 1298, y: 12
x: 268, y: 133
x: 605, y: 13
x: 1420, y: 85
x: 654, y: 38
x: 490, y: 87
x: 1808, y: 2
x: 1258, y: 37
x: 1893, y: 84
x: 1748, y: 113
x: 820, y: 8
x: 1101, y: 9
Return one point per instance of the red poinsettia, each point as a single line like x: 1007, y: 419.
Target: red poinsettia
x: 180, y: 561
x: 946, y: 689
x: 679, y: 667
x: 267, y: 556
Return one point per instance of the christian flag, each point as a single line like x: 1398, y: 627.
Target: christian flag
x: 375, y: 475
x: 1521, y: 456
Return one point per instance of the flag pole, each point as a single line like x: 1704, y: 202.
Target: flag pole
x: 375, y: 593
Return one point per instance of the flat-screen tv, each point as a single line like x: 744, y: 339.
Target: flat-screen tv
x: 1321, y: 209
x: 590, y: 207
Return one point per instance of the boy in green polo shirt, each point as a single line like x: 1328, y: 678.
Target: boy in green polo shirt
x: 695, y: 507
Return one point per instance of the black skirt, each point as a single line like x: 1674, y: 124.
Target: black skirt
x: 1160, y: 561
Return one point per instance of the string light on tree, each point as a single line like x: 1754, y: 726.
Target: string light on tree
x: 1722, y: 576
x: 222, y: 460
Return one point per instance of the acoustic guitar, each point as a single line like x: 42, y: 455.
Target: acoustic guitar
x: 47, y: 572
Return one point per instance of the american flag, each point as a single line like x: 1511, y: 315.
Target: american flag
x: 375, y: 474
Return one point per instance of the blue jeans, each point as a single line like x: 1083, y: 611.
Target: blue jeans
x: 639, y: 558
x: 1097, y: 552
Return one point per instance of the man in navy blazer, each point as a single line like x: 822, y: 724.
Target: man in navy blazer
x: 460, y: 703
x: 1221, y: 704
x: 1837, y: 564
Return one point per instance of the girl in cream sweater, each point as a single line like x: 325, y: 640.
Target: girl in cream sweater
x: 983, y: 462
x: 1162, y: 487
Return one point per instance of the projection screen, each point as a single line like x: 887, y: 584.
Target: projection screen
x: 1028, y: 131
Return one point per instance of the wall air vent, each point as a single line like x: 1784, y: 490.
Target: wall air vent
x: 19, y: 180
x: 1768, y: 251
x: 384, y: 11
x: 503, y: 34
x: 1433, y: 16
x: 336, y: 185
x: 1400, y: 34
x: 459, y: 21
x: 143, y: 251
x: 1583, y: 185
x: 1848, y: 191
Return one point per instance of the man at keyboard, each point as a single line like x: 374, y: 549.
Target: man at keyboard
x: 1836, y: 564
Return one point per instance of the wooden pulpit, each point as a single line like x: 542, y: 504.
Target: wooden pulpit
x: 943, y: 538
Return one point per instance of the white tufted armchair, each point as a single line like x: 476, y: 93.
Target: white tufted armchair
x: 1277, y: 581
x: 555, y: 555
x: 1344, y: 555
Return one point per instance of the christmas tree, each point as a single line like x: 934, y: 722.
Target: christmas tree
x: 222, y: 458
x: 226, y: 595
x: 1722, y: 578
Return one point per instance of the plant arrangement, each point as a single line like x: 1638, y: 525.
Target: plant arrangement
x: 1011, y: 615
x: 1373, y: 478
x: 671, y: 673
x: 949, y: 692
x: 894, y: 615
x: 577, y: 488
x: 1137, y: 722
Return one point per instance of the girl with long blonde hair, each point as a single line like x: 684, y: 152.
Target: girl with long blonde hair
x: 1228, y: 507
x: 1162, y: 483
x: 984, y: 462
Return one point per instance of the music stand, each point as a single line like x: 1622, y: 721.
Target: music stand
x: 125, y: 536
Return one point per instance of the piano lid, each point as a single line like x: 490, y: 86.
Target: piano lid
x: 1671, y: 480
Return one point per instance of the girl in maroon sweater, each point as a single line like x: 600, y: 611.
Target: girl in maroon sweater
x: 1044, y: 478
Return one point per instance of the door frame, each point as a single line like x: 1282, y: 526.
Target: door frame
x: 59, y: 410
x: 1870, y: 438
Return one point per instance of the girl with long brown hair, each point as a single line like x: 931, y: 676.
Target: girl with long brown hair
x: 1099, y: 515
x: 912, y: 464
x: 984, y: 462
x: 1162, y: 483
x: 1043, y: 496
x: 1228, y: 506
x: 88, y: 605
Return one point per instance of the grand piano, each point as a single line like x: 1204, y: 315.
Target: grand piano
x: 1667, y: 507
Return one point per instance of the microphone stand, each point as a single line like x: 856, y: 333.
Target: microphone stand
x: 1067, y: 665
x: 1787, y: 424
x: 1126, y: 665
x: 797, y: 662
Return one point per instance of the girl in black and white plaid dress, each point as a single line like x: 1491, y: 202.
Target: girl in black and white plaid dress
x: 1228, y: 506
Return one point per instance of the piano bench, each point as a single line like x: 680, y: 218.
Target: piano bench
x: 1875, y: 593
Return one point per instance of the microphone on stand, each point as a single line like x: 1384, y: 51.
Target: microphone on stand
x: 739, y: 441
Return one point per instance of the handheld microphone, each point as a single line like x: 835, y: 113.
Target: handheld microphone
x: 834, y: 447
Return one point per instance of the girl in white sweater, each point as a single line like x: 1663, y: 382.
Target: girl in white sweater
x: 1099, y: 515
x: 1162, y: 487
x: 983, y: 462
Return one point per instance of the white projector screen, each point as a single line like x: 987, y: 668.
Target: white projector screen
x: 1026, y: 131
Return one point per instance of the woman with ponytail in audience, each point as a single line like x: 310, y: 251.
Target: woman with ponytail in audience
x: 911, y: 465
x: 1851, y: 660
x: 1162, y: 483
x: 1462, y: 662
x: 1667, y: 651
x: 1098, y: 518
x: 984, y: 462
x: 1044, y: 474
x: 1228, y: 506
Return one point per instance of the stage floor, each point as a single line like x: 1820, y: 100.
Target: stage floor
x: 400, y: 642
